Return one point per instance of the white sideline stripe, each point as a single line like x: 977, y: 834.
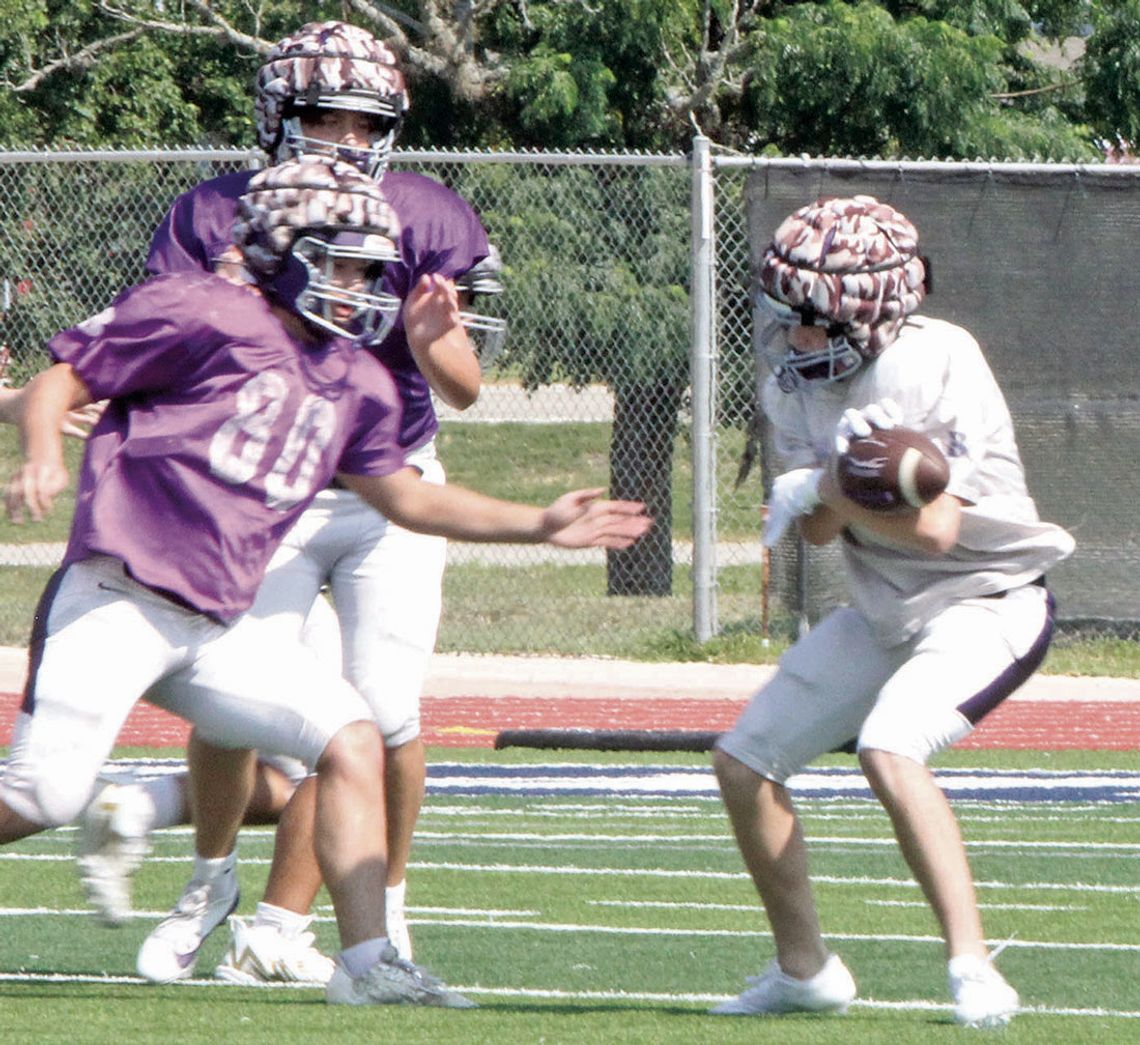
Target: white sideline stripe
x: 250, y: 834
x: 983, y: 906
x: 632, y: 930
x: 746, y: 908
x: 629, y: 930
x: 918, y: 1005
x: 630, y: 872
x: 687, y: 837
x: 659, y: 872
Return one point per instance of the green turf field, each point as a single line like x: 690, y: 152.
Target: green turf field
x: 620, y: 914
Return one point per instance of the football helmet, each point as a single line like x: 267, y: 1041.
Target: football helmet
x: 850, y: 265
x: 299, y: 222
x: 329, y: 65
x: 484, y: 278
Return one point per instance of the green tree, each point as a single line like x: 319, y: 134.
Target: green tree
x: 932, y: 77
x: 597, y: 291
x: 1111, y: 72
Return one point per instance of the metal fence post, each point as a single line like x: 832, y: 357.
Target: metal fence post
x: 703, y: 379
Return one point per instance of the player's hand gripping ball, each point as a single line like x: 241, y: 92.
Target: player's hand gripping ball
x: 891, y: 468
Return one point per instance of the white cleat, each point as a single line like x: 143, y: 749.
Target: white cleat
x: 392, y: 981
x: 261, y: 954
x: 831, y: 989
x: 171, y: 951
x: 113, y: 842
x: 982, y: 998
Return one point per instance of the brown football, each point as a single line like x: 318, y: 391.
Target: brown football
x: 892, y: 468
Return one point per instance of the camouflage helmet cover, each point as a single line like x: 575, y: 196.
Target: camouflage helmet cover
x: 852, y: 261
x: 309, y: 193
x: 323, y: 60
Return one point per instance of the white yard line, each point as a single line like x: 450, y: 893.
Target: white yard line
x: 916, y: 1005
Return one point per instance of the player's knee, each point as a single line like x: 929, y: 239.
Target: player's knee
x: 53, y: 805
x: 355, y: 747
x: 872, y: 761
x: 732, y: 774
x: 886, y: 771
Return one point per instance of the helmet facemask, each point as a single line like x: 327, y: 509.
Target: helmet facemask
x: 324, y: 300
x: 836, y: 361
x: 483, y: 279
x: 372, y: 159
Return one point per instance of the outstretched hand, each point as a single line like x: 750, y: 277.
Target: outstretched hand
x: 579, y: 520
x: 431, y: 309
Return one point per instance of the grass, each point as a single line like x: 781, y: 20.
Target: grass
x: 609, y: 918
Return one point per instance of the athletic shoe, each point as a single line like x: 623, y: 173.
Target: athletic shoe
x: 261, y: 954
x: 392, y: 981
x: 830, y: 990
x: 113, y: 842
x: 399, y: 936
x: 171, y: 951
x: 981, y: 996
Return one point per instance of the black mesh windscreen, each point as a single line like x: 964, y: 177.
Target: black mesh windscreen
x: 1040, y: 268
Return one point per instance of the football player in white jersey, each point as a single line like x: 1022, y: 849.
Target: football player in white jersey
x: 949, y: 615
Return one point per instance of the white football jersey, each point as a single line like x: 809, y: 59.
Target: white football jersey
x: 937, y: 374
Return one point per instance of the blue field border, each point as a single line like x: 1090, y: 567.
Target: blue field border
x: 539, y: 780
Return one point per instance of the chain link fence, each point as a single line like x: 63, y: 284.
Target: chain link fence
x: 626, y: 278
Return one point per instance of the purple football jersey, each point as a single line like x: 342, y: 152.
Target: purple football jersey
x: 222, y: 428
x: 441, y: 233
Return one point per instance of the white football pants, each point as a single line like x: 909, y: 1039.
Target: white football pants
x: 107, y: 641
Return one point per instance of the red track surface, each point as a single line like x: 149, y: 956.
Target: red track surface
x: 474, y: 721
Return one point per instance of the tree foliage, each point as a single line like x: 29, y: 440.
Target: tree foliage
x: 945, y: 78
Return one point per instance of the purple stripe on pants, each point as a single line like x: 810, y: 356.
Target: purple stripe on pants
x: 984, y: 701
x: 39, y: 637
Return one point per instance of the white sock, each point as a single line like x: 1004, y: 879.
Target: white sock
x: 208, y: 870
x: 287, y: 923
x: 163, y: 802
x: 360, y: 957
x: 394, y: 896
x: 964, y: 964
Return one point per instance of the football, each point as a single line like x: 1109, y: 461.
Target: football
x: 892, y: 468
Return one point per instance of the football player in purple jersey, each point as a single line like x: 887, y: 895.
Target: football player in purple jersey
x: 332, y: 87
x: 232, y: 405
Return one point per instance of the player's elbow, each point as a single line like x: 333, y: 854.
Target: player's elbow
x: 820, y: 527
x: 463, y: 396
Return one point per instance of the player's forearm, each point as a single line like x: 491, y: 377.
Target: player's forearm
x: 450, y: 511
x: 43, y: 404
x: 451, y: 367
x: 932, y: 529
